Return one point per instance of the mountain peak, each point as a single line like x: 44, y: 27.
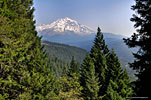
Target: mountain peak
x: 66, y: 25
x: 67, y: 18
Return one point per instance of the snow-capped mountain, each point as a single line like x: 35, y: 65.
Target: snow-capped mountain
x: 64, y: 25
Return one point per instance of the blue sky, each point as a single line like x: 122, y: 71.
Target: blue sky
x: 112, y: 16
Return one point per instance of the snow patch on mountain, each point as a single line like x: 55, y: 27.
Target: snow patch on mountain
x: 66, y: 25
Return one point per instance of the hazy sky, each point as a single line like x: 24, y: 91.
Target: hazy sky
x: 111, y: 15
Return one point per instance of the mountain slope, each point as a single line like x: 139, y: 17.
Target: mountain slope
x: 64, y: 52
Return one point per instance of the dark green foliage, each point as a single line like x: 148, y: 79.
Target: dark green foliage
x: 101, y: 74
x: 24, y: 72
x: 61, y: 68
x: 118, y: 80
x: 58, y: 67
x: 114, y: 66
x: 64, y: 52
x: 70, y: 88
x: 74, y: 68
x: 142, y: 40
x: 111, y: 93
x: 125, y: 89
x: 61, y: 57
x: 98, y: 53
x: 89, y: 80
x: 99, y: 44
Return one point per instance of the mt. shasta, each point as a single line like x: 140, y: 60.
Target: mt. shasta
x: 64, y: 25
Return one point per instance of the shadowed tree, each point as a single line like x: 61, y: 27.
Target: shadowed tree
x: 142, y: 40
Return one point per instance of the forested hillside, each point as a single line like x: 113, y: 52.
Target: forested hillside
x: 64, y: 52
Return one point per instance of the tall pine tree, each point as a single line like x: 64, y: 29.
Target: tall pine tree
x: 109, y: 71
x: 24, y: 72
x: 89, y: 80
x: 74, y: 68
x: 98, y: 53
x: 142, y: 40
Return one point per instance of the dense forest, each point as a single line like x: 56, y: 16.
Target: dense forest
x: 27, y: 72
x: 64, y: 52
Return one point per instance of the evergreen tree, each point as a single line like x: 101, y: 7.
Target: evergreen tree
x: 73, y: 66
x: 142, y: 40
x: 11, y: 56
x: 109, y: 71
x: 124, y: 85
x: 89, y: 80
x: 24, y: 72
x: 111, y: 93
x: 99, y: 45
x: 59, y: 68
x: 70, y: 88
x: 118, y: 80
x: 114, y: 67
x: 98, y: 53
